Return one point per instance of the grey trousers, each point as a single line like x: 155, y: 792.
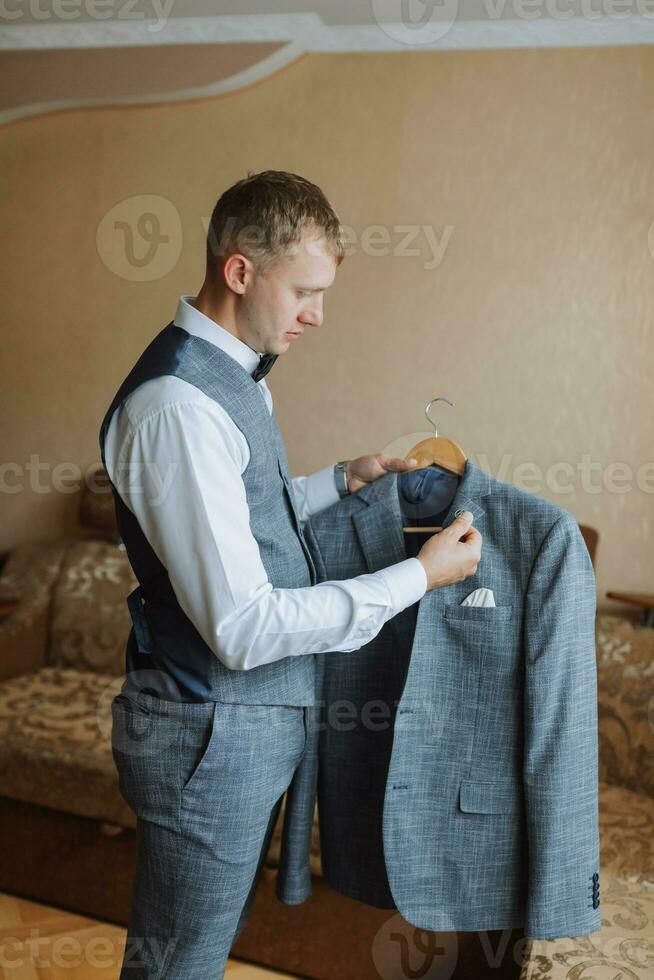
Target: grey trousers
x: 206, y: 783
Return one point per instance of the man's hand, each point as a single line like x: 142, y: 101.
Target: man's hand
x: 367, y: 469
x: 453, y: 554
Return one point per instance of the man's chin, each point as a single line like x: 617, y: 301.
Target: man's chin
x: 279, y: 345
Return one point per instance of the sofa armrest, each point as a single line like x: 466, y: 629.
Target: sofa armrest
x: 625, y: 667
x: 22, y: 645
x: 89, y: 618
x: 28, y: 575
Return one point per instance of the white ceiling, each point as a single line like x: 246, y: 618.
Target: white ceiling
x: 330, y: 12
x: 327, y: 25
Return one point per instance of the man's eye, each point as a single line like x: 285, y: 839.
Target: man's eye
x: 304, y: 292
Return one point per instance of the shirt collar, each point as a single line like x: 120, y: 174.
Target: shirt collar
x: 194, y: 322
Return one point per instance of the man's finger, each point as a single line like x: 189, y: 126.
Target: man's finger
x: 397, y: 464
x: 461, y: 524
x: 472, y: 537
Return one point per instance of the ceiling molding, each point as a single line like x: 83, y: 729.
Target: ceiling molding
x: 468, y: 35
x: 309, y: 31
x: 174, y: 30
x: 301, y: 34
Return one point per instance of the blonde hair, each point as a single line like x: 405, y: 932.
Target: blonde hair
x: 265, y: 214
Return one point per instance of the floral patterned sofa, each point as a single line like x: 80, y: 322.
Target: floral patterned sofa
x: 61, y: 662
x: 624, y: 947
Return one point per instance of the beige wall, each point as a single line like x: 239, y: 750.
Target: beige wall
x: 537, y: 322
x: 51, y: 75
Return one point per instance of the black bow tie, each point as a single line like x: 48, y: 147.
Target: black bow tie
x: 266, y: 361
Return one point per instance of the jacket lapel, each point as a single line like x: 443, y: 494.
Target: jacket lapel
x: 474, y: 486
x: 379, y: 524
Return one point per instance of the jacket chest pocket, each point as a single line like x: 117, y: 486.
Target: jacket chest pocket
x: 488, y: 616
x: 481, y: 630
x: 473, y: 661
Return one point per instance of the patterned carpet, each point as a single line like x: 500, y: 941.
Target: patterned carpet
x: 42, y: 943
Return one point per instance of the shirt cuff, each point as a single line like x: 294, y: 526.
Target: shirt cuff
x: 406, y: 582
x: 320, y: 488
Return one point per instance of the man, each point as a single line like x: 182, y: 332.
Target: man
x: 219, y: 662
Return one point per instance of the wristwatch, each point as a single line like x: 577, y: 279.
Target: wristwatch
x: 340, y: 478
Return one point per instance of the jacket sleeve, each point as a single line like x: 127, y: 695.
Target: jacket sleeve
x: 313, y: 546
x: 294, y: 883
x: 561, y: 744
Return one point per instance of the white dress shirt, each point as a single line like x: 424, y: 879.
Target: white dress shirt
x: 176, y: 457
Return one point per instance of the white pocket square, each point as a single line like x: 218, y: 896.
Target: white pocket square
x: 480, y: 597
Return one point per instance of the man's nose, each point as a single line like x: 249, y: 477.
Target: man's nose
x: 312, y: 316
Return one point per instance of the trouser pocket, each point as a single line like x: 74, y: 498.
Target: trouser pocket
x: 197, y: 743
x: 145, y: 749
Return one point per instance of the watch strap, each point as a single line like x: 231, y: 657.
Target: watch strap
x: 340, y: 478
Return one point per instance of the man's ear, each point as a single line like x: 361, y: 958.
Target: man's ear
x: 238, y: 272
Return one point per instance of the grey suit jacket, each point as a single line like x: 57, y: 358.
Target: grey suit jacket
x: 458, y: 749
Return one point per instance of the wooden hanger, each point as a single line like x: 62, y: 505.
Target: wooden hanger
x: 437, y: 451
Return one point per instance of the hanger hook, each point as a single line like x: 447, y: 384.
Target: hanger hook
x: 429, y: 405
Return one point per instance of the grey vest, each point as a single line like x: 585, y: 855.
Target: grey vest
x: 165, y: 653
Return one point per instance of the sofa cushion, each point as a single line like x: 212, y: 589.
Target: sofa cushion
x: 90, y: 621
x: 623, y: 949
x: 55, y: 743
x: 627, y: 833
x: 29, y: 574
x: 625, y: 663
